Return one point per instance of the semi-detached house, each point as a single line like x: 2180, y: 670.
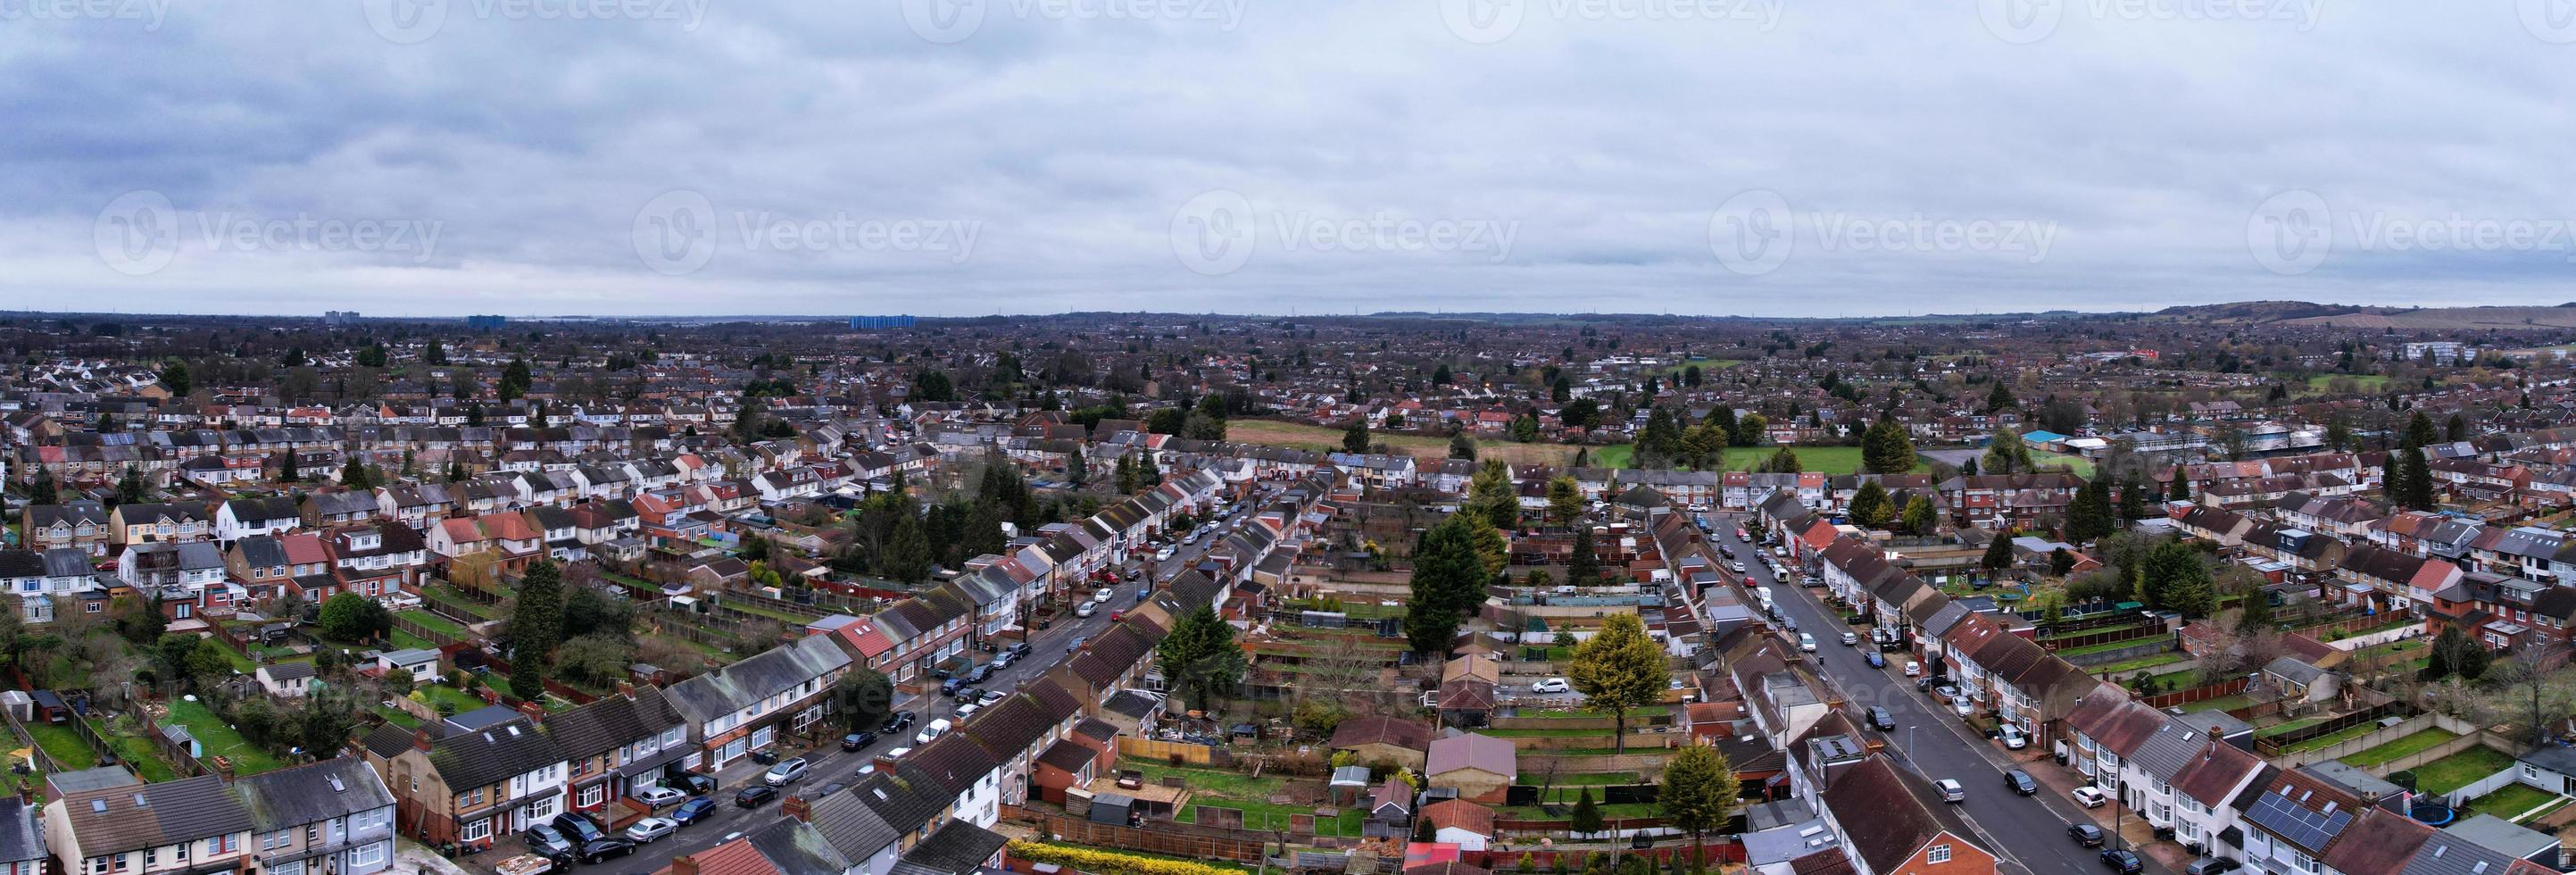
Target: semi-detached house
x: 742, y: 707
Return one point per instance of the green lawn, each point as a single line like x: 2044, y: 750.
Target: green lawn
x: 2366, y: 384
x: 2135, y: 664
x: 220, y: 740
x: 435, y: 693
x: 1614, y: 456
x: 1223, y: 788
x: 2418, y: 742
x: 2222, y: 703
x: 434, y: 622
x: 2332, y: 738
x: 2083, y: 467
x: 2510, y: 801
x: 64, y: 745
x: 1828, y: 460
x: 146, y: 759
x: 2460, y: 769
x: 1633, y: 713
x: 1608, y: 811
x: 1546, y: 733
x: 2109, y: 646
x: 1596, y: 779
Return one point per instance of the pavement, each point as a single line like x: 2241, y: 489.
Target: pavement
x: 830, y: 764
x: 2029, y: 831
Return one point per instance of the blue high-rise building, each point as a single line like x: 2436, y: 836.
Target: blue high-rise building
x: 879, y: 323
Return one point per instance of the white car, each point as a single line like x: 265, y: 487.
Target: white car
x: 643, y: 832
x: 660, y: 797
x: 1962, y: 705
x: 1806, y: 642
x: 1851, y: 639
x: 1913, y: 669
x: 932, y: 732
x: 1552, y: 685
x: 1086, y: 610
x: 1103, y: 594
x: 2089, y: 796
x: 2012, y: 737
x: 1951, y: 790
x: 1163, y: 555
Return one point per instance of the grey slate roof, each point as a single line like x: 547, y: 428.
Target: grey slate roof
x: 312, y: 793
x: 494, y: 753
x: 737, y: 686
x: 20, y: 839
x: 956, y: 849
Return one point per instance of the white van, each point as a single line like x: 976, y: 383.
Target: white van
x: 936, y: 729
x: 1762, y: 592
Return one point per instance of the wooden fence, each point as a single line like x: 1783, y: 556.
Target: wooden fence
x: 1168, y: 751
x: 2198, y: 694
x: 2271, y: 746
x: 1507, y: 858
x: 2149, y: 628
x: 430, y: 635
x: 1182, y: 840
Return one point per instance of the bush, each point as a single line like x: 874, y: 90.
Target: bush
x: 1106, y: 863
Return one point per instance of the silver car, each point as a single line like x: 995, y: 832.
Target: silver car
x: 643, y: 832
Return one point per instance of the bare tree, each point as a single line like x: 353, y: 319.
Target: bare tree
x: 2539, y: 690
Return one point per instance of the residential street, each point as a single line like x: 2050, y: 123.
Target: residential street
x: 2029, y: 831
x: 831, y: 764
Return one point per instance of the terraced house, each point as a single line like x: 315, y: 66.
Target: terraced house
x: 470, y: 786
x: 743, y: 707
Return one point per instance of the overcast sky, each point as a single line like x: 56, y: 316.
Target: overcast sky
x: 967, y: 157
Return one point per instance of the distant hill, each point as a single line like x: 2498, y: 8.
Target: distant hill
x: 2400, y: 318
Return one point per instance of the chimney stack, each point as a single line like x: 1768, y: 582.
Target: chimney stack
x: 684, y: 865
x: 535, y: 711
x: 796, y: 807
x: 421, y: 741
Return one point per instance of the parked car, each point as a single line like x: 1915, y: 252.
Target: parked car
x: 1945, y: 691
x: 950, y: 686
x: 650, y: 828
x: 981, y: 674
x: 549, y: 841
x: 2012, y: 737
x: 1103, y: 594
x: 2089, y: 796
x: 1086, y: 609
x: 1913, y: 669
x: 2085, y: 834
x: 936, y: 729
x: 1951, y: 790
x: 991, y: 697
x: 2122, y: 862
x: 660, y: 797
x: 605, y: 848
x: 1874, y: 660
x: 857, y: 740
x: 578, y: 828
x: 696, y: 784
x: 968, y: 694
x: 1851, y: 639
x: 1881, y: 720
x: 895, y: 722
x: 2211, y: 866
x: 755, y: 796
x: 787, y: 771
x: 2021, y: 782
x: 1806, y: 642
x: 968, y: 710
x: 1004, y: 659
x: 1552, y: 685
x: 1962, y: 705
x: 692, y: 811
x: 1017, y: 650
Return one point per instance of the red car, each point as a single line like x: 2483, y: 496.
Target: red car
x: 1749, y: 581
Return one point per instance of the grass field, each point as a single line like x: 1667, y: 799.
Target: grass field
x: 1276, y: 433
x: 2460, y: 769
x: 2366, y: 384
x: 220, y: 740
x: 2510, y: 801
x: 2417, y: 742
x: 1706, y: 366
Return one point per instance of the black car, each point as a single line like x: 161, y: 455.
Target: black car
x: 696, y: 784
x: 546, y: 841
x: 2085, y: 834
x: 1880, y: 720
x: 1018, y: 650
x: 579, y: 828
x: 2020, y: 782
x: 981, y: 674
x: 691, y: 811
x: 755, y: 796
x: 950, y: 686
x: 968, y: 694
x: 606, y: 848
x: 896, y: 722
x: 2123, y: 862
x: 2211, y: 866
x: 856, y: 740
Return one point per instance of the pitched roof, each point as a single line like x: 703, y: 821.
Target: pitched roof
x: 131, y: 818
x: 492, y: 754
x: 312, y: 793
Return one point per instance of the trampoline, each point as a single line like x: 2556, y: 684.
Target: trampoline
x: 2434, y: 813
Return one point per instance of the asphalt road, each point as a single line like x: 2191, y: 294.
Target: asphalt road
x: 2029, y: 830
x: 831, y: 764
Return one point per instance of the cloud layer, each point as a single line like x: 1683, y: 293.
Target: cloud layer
x: 966, y: 157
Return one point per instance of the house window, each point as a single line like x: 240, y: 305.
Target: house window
x: 477, y: 830
x: 1938, y: 855
x: 368, y: 855
x: 592, y: 795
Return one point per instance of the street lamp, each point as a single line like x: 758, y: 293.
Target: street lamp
x: 2119, y: 801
